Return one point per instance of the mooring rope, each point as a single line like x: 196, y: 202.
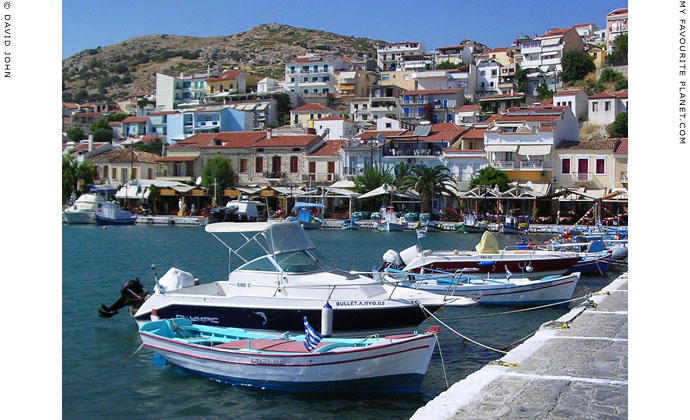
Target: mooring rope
x: 443, y: 364
x: 135, y: 352
x: 457, y: 333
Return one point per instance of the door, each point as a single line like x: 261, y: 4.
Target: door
x: 582, y: 169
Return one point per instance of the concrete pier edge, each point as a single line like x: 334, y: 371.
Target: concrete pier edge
x: 460, y: 394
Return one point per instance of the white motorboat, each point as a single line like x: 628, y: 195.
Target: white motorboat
x: 390, y: 223
x: 491, y: 290
x: 392, y: 364
x: 486, y: 259
x: 84, y: 209
x: 292, y: 280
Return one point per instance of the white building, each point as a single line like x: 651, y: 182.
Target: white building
x: 487, y: 79
x: 545, y: 52
x: 616, y: 24
x: 182, y: 90
x: 267, y: 85
x: 465, y: 52
x: 467, y: 115
x: 335, y: 127
x: 388, y: 56
x: 312, y: 74
x: 575, y: 99
x: 604, y: 107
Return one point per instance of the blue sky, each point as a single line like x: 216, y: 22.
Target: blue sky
x: 88, y: 24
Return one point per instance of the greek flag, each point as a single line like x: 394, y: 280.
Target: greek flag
x: 311, y: 337
x: 508, y: 273
x: 420, y: 233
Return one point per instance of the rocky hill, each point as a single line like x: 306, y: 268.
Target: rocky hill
x: 129, y: 67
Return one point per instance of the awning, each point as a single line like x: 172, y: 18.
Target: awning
x: 501, y: 148
x: 535, y: 150
x: 550, y: 41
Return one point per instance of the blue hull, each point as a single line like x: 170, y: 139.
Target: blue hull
x: 596, y: 267
x: 396, y: 384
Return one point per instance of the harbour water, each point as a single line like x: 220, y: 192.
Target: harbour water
x: 98, y: 383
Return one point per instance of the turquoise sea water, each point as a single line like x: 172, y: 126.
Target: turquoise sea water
x: 96, y: 383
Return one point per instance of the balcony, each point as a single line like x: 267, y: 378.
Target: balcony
x: 274, y: 175
x: 319, y: 177
x: 581, y: 176
x: 503, y: 164
x: 532, y: 164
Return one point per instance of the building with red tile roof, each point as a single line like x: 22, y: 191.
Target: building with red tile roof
x: 227, y: 81
x: 604, y: 107
x: 305, y: 115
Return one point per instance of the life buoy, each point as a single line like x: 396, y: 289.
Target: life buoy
x: 531, y: 245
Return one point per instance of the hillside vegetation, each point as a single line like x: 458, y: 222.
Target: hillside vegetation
x: 129, y: 68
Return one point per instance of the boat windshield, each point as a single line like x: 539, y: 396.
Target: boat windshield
x: 287, y: 237
x: 320, y: 260
x: 297, y: 262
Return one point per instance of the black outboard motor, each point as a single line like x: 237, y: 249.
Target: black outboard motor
x: 132, y: 293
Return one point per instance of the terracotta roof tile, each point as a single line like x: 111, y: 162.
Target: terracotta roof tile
x: 288, y: 141
x: 124, y: 156
x: 599, y: 145
x: 227, y: 140
x: 474, y: 133
x: 226, y: 75
x: 431, y: 92
x: 135, y: 120
x: 568, y: 92
x: 467, y: 108
x: 623, y: 94
x: 314, y: 107
x: 622, y: 148
x: 329, y: 148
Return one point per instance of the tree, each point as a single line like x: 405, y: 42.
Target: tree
x: 219, y: 169
x: 116, y: 117
x: 402, y: 174
x: 619, y: 53
x: 155, y: 147
x: 153, y: 197
x: 543, y: 91
x: 490, y: 176
x: 72, y: 172
x: 80, y: 96
x: 619, y: 128
x: 610, y: 75
x: 428, y: 181
x: 521, y: 79
x: 371, y: 179
x: 103, y: 135
x: 75, y: 134
x: 576, y: 65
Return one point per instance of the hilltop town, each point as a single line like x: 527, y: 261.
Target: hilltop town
x: 549, y: 111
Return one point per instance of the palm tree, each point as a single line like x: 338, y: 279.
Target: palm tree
x: 429, y: 181
x: 402, y: 174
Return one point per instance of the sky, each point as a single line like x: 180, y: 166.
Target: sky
x: 495, y: 23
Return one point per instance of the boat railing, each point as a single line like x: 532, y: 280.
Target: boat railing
x: 455, y: 278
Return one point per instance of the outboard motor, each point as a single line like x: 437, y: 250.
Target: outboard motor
x: 391, y: 259
x: 132, y: 293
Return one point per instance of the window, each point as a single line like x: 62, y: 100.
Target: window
x: 243, y: 166
x: 296, y: 119
x: 325, y: 67
x: 331, y: 167
x: 305, y: 69
x: 292, y: 69
x: 406, y: 112
x: 150, y: 173
x: 113, y: 174
x: 261, y: 264
x: 134, y: 173
x: 275, y: 164
x: 406, y: 77
x: 123, y: 175
x: 220, y: 88
x: 493, y: 72
x: 600, y: 166
x: 565, y: 166
x: 259, y: 165
x: 595, y: 106
x: 314, y: 79
x: 316, y: 68
x: 312, y: 167
x: 292, y: 80
x: 385, y: 77
x: 482, y: 73
x: 607, y: 105
x: 294, y: 165
x: 305, y: 80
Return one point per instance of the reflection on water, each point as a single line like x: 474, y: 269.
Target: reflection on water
x: 97, y: 261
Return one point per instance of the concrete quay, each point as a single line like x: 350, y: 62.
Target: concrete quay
x: 573, y: 367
